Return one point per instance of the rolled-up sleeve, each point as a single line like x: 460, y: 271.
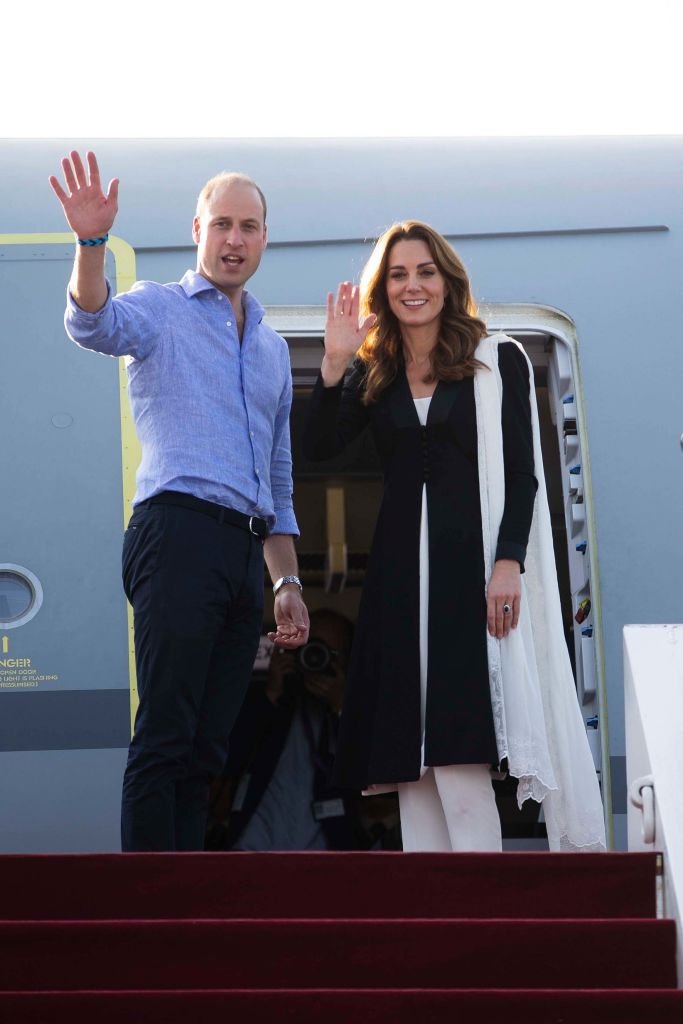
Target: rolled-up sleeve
x: 281, y: 465
x: 126, y: 325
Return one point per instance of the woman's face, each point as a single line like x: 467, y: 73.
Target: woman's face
x: 416, y: 288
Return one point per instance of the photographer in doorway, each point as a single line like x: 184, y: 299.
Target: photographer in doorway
x: 282, y: 750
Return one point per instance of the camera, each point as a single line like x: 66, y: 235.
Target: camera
x: 316, y: 656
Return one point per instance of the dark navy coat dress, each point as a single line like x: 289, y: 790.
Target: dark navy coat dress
x: 380, y: 738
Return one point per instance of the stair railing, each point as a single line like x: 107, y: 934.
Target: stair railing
x: 653, y: 697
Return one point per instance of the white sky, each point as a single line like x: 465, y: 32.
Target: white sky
x: 152, y: 69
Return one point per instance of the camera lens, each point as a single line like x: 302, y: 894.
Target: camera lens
x: 315, y: 656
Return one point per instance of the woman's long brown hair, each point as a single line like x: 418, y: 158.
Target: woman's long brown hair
x: 460, y: 330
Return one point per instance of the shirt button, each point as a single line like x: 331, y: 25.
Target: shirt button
x: 228, y: 323
x: 220, y: 298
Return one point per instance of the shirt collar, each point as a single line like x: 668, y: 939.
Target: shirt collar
x: 193, y: 284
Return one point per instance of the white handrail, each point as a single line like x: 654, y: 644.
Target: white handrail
x: 653, y: 695
x: 642, y: 795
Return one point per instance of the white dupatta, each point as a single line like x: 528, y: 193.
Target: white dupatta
x: 538, y: 722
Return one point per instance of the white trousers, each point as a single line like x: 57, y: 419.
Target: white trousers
x: 452, y: 808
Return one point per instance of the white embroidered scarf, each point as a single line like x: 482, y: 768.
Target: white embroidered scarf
x: 538, y: 722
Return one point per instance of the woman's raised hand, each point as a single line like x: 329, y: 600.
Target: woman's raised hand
x: 344, y: 333
x: 89, y: 213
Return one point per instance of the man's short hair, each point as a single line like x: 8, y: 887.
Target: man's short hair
x: 228, y: 178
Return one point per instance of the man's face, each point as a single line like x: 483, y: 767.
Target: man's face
x: 230, y: 236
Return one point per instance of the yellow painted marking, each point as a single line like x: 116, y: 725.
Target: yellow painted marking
x: 124, y: 260
x: 124, y: 265
x: 5, y: 645
x: 54, y: 238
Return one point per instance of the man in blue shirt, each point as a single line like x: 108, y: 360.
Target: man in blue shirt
x: 210, y: 388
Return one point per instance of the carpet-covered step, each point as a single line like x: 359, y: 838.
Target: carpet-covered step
x: 319, y: 885
x: 337, y: 954
x: 404, y: 1006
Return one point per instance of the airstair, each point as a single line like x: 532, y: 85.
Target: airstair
x: 382, y: 937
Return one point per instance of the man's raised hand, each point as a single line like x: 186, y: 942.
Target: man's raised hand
x: 88, y: 211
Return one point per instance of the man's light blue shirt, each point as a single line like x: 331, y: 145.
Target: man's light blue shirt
x: 212, y: 414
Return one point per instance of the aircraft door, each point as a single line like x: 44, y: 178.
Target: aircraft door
x: 64, y: 680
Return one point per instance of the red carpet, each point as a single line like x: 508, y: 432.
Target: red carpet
x: 383, y: 885
x: 302, y: 937
x: 317, y: 1006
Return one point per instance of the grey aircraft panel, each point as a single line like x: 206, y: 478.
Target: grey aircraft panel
x: 62, y: 801
x: 336, y: 189
x: 61, y: 436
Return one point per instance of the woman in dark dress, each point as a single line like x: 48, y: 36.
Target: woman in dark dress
x: 419, y: 714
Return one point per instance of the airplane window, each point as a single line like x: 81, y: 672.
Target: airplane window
x: 16, y: 596
x: 20, y: 599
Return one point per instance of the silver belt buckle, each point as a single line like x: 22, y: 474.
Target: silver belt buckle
x: 251, y: 528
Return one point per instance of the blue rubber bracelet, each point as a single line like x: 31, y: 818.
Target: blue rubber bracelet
x: 93, y: 241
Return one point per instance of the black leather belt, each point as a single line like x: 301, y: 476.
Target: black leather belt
x: 253, y: 524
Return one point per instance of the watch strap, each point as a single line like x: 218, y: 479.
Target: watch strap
x: 277, y: 586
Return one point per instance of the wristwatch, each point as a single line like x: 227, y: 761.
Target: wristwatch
x: 279, y: 584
